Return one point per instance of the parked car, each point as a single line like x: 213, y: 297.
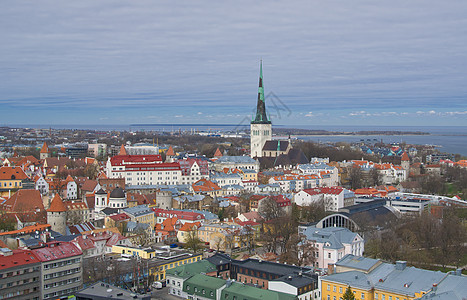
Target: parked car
x: 157, y: 285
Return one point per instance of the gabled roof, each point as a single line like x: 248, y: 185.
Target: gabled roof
x: 57, y: 204
x: 24, y: 200
x: 15, y: 173
x: 204, y: 185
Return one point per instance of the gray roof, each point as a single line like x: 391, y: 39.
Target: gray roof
x: 236, y: 159
x: 453, y: 287
x: 190, y: 198
x: 102, y: 290
x: 410, y: 281
x: 357, y: 262
x: 298, y: 280
x: 118, y: 192
x: 271, y: 267
x: 207, y: 215
x: 138, y: 210
x: 332, y: 237
x: 133, y: 226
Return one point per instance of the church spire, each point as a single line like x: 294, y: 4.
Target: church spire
x: 261, y: 117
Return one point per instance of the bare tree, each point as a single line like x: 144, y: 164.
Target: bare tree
x: 193, y: 242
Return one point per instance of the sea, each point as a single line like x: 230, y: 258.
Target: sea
x: 449, y: 139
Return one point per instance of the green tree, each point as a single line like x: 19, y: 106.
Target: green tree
x: 349, y: 295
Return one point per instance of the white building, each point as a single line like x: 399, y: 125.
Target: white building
x: 332, y: 243
x: 193, y: 170
x: 223, y: 179
x: 320, y: 169
x: 143, y: 170
x: 295, y: 182
x: 236, y: 162
x: 333, y: 197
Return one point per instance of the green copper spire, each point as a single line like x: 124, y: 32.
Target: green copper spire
x: 261, y: 117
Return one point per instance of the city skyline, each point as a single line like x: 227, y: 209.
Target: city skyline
x: 324, y: 63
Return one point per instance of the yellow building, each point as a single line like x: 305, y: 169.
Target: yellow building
x: 11, y: 180
x: 169, y: 260
x: 141, y: 214
x: 372, y: 279
x: 145, y: 253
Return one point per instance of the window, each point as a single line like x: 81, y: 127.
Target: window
x: 329, y: 255
x: 340, y: 290
x: 329, y: 287
x: 363, y: 296
x: 333, y: 288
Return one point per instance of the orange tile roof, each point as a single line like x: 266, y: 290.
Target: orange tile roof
x: 218, y: 153
x: 45, y: 148
x: 57, y: 204
x: 204, y: 185
x: 23, y: 201
x: 122, y: 150
x: 9, y: 173
x: 27, y: 229
x: 170, y: 152
x: 405, y: 157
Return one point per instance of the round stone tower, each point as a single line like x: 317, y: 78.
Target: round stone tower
x: 56, y: 215
x: 164, y: 199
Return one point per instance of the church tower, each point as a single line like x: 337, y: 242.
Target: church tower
x: 261, y: 127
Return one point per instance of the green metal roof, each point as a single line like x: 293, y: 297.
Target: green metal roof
x: 203, y: 285
x: 188, y: 270
x: 243, y: 291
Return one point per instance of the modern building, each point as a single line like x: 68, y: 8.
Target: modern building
x: 20, y: 275
x: 61, y: 269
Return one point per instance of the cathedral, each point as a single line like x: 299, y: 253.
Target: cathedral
x: 263, y: 147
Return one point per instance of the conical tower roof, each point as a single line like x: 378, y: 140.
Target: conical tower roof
x: 218, y: 153
x: 122, y: 150
x: 405, y: 157
x: 45, y: 148
x: 57, y: 204
x: 170, y: 152
x: 261, y: 117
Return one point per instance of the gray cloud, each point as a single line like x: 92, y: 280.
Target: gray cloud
x: 318, y: 55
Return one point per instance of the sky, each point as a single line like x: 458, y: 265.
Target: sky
x: 375, y: 63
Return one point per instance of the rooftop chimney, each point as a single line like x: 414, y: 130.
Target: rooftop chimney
x: 400, y: 265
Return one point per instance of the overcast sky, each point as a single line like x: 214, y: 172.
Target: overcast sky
x: 325, y: 62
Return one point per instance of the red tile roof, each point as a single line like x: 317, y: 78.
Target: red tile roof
x: 24, y: 201
x: 335, y: 190
x: 57, y: 250
x: 18, y: 258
